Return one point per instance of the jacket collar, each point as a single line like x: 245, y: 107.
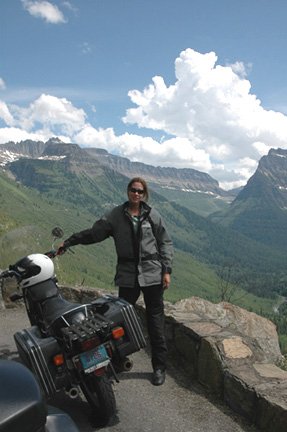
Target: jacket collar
x: 144, y: 208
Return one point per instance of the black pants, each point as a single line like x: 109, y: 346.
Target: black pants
x: 153, y: 298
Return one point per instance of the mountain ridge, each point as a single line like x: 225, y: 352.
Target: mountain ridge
x: 169, y: 177
x: 185, y: 179
x: 260, y: 209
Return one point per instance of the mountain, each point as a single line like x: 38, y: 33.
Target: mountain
x: 11, y: 151
x: 170, y: 178
x: 260, y: 209
x: 194, y: 189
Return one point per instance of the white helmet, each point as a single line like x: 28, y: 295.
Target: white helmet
x: 34, y: 269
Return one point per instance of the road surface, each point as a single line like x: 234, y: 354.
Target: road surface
x: 177, y: 406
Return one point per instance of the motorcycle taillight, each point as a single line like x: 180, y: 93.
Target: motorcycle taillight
x: 88, y: 344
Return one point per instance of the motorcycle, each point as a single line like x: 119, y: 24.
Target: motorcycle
x: 23, y: 408
x: 71, y: 346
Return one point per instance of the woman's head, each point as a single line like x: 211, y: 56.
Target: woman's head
x: 138, y: 187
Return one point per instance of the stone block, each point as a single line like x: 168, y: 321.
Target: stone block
x: 271, y: 416
x: 185, y: 349
x: 240, y: 397
x: 210, y: 366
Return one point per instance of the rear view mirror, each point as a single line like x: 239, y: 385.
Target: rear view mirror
x: 57, y: 232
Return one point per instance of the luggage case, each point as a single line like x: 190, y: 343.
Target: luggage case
x: 37, y: 353
x: 123, y: 314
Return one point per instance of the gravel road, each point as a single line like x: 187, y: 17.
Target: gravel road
x: 177, y: 406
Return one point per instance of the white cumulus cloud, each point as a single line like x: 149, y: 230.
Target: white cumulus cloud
x: 45, y: 117
x: 208, y: 117
x: 210, y: 106
x: 51, y: 113
x: 45, y: 10
x: 16, y: 135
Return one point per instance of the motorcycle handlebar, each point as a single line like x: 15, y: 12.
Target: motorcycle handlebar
x: 8, y: 273
x: 51, y: 253
x: 57, y: 252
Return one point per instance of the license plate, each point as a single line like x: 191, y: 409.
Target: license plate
x: 94, y: 359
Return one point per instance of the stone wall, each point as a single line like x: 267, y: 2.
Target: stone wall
x: 233, y: 353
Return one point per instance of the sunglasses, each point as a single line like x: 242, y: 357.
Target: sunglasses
x: 139, y: 191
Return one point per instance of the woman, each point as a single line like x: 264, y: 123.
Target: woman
x: 144, y: 250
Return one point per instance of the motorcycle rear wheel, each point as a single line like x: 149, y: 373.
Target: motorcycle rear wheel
x: 100, y: 395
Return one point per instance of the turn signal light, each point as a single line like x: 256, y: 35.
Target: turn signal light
x: 58, y: 360
x: 118, y: 332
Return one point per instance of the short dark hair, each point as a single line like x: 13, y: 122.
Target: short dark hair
x: 144, y: 185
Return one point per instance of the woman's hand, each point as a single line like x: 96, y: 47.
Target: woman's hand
x: 166, y: 281
x: 61, y: 249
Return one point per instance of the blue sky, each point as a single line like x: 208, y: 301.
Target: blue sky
x: 189, y: 83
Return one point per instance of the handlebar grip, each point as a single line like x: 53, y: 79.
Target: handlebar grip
x: 51, y: 254
x: 8, y: 273
x: 61, y: 250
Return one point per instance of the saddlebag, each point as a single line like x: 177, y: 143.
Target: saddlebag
x: 37, y: 354
x: 122, y: 313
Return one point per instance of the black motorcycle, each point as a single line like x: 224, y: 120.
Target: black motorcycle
x: 23, y: 408
x: 72, y: 346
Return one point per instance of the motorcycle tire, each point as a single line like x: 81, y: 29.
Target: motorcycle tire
x: 100, y: 395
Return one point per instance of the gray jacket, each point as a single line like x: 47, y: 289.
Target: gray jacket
x: 143, y: 256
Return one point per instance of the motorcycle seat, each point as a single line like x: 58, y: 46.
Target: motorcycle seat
x: 42, y: 291
x: 58, y: 308
x: 22, y: 406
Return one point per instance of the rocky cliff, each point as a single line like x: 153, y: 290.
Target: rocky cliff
x: 260, y: 209
x: 173, y: 178
x: 88, y: 159
x: 269, y: 183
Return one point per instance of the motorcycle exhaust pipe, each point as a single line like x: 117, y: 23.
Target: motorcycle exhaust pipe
x: 127, y: 365
x: 73, y: 392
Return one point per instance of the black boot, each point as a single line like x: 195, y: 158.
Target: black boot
x: 158, y: 377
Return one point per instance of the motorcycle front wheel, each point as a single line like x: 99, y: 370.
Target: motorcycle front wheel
x: 100, y: 395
